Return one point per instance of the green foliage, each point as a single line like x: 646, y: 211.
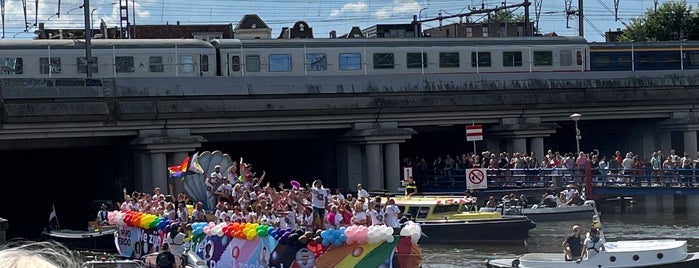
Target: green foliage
x: 504, y: 16
x: 673, y: 20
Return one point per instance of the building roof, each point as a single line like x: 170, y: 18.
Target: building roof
x: 251, y: 21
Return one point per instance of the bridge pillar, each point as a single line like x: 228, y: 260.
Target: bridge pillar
x: 665, y: 138
x: 392, y: 166
x: 374, y: 166
x: 690, y: 143
x: 536, y: 145
x: 691, y: 202
x: 151, y: 149
x: 517, y: 131
x: 372, y: 155
x: 688, y: 123
x: 651, y: 203
x: 668, y: 203
x: 519, y: 145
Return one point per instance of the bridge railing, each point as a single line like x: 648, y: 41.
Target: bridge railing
x: 546, y: 177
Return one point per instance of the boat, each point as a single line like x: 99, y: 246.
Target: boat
x: 191, y: 260
x: 446, y: 219
x: 111, y: 263
x: 233, y: 244
x: 561, y: 213
x: 98, y: 239
x: 634, y: 253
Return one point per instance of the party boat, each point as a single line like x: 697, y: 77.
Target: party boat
x: 228, y: 245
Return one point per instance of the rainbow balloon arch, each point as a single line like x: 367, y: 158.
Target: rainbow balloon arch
x: 256, y: 245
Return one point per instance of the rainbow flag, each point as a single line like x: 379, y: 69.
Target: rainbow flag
x: 179, y: 170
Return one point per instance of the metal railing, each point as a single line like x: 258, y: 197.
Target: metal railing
x: 547, y: 177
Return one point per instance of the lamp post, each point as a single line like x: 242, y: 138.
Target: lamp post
x: 88, y: 35
x: 576, y: 117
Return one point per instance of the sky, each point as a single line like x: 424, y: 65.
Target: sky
x: 322, y: 15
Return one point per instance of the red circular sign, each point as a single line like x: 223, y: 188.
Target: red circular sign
x: 476, y: 176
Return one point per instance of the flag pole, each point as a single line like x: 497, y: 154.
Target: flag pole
x: 58, y: 224
x: 473, y: 123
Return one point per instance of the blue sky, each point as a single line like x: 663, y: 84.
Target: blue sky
x: 322, y: 15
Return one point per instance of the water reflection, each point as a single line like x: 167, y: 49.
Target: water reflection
x: 634, y: 224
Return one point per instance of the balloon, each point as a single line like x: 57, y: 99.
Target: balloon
x: 326, y: 243
x: 390, y: 239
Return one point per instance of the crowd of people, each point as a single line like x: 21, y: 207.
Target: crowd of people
x: 617, y: 168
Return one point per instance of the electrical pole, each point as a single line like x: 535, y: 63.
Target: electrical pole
x: 88, y: 36
x: 581, y: 20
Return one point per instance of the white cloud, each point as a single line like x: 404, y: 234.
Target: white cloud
x: 398, y: 7
x: 359, y: 6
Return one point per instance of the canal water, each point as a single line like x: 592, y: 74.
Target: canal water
x: 633, y: 224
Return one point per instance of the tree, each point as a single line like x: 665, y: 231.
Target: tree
x: 504, y: 16
x: 673, y: 20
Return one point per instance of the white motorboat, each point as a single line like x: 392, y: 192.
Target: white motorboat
x: 635, y: 253
x: 561, y: 213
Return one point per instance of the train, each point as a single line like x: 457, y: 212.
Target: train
x: 65, y: 58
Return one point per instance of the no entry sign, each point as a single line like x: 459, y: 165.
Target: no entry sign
x: 474, y: 133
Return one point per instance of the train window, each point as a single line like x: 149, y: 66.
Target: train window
x: 279, y: 62
x: 483, y: 59
x: 186, y: 64
x: 252, y: 63
x: 316, y: 62
x: 11, y: 66
x: 578, y: 56
x: 204, y: 63
x: 646, y: 61
x: 124, y: 64
x: 512, y: 58
x: 383, y: 61
x: 671, y: 60
x: 601, y: 61
x: 350, y: 61
x: 82, y: 65
x: 416, y: 60
x: 543, y: 58
x: 54, y: 67
x: 566, y: 57
x: 448, y: 59
x: 155, y: 64
x: 693, y: 58
x: 236, y: 63
x: 624, y: 61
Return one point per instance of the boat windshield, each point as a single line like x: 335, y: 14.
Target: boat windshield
x: 453, y: 208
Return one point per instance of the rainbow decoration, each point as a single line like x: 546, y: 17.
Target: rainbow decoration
x: 178, y: 171
x: 226, y: 245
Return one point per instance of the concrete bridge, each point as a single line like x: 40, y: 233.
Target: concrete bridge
x: 367, y: 116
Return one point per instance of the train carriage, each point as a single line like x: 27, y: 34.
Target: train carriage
x: 110, y: 58
x: 311, y: 57
x: 644, y: 56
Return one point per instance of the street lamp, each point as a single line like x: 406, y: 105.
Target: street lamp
x: 576, y: 117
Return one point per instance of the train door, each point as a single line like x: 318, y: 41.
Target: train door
x: 204, y: 68
x: 230, y: 63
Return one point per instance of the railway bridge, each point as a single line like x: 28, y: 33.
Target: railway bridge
x: 365, y: 117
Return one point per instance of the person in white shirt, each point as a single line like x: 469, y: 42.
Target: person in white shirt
x: 290, y: 217
x: 361, y: 192
x: 176, y: 238
x: 319, y: 198
x: 377, y: 215
x: 359, y: 217
x: 392, y: 213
